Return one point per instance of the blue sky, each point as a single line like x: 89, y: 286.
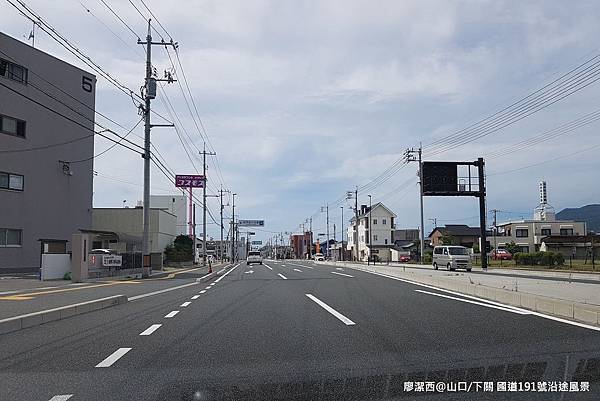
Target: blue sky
x: 303, y: 100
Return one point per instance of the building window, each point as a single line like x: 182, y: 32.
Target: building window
x: 13, y: 71
x: 11, y: 181
x: 366, y: 223
x: 525, y: 249
x: 566, y: 231
x: 385, y: 241
x: 367, y: 237
x: 546, y: 231
x: 10, y: 237
x: 383, y: 221
x: 12, y: 126
x: 374, y: 221
x: 375, y: 237
x: 522, y: 232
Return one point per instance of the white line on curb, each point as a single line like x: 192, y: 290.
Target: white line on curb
x: 282, y: 276
x: 112, y: 358
x: 150, y: 330
x: 171, y: 314
x: 183, y: 305
x: 329, y: 309
x: 342, y: 274
x: 507, y: 309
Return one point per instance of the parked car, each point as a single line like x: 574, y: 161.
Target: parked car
x: 451, y: 257
x: 254, y: 257
x: 404, y: 258
x: 319, y: 257
x: 500, y: 254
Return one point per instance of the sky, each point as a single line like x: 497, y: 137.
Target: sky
x: 305, y: 100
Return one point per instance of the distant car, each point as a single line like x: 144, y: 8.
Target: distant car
x: 500, y: 254
x: 319, y: 257
x: 404, y: 258
x: 451, y: 257
x: 254, y: 257
x: 101, y: 251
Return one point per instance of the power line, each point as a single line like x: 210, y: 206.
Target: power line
x: 120, y: 19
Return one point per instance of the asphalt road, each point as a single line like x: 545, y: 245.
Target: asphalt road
x: 296, y: 330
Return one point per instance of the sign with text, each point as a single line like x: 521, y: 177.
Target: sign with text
x: 190, y: 181
x: 251, y: 223
x: 256, y: 242
x: 440, y: 177
x: 112, y: 260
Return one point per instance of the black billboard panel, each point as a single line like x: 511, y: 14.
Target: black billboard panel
x: 439, y: 177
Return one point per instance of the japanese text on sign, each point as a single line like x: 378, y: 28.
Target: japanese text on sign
x: 190, y: 181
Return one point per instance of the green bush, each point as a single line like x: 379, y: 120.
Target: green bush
x: 428, y: 257
x: 544, y: 259
x: 182, y: 249
x: 67, y: 276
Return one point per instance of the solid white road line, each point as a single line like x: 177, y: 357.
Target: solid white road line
x: 62, y: 397
x: 171, y: 314
x: 112, y: 358
x: 296, y: 264
x: 224, y: 275
x: 298, y: 270
x: 282, y: 276
x: 183, y: 305
x: 508, y: 309
x: 267, y: 266
x: 159, y: 291
x: 196, y: 297
x: 329, y: 309
x: 202, y: 292
x: 342, y: 274
x: 150, y: 330
x: 530, y: 312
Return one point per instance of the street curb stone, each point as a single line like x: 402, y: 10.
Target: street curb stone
x: 34, y: 319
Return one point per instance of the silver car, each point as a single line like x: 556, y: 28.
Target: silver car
x: 451, y: 257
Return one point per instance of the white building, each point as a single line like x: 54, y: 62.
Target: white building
x: 176, y: 205
x: 375, y: 233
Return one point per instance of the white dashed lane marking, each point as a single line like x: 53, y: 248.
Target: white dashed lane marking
x: 183, y: 305
x: 282, y: 276
x: 61, y: 397
x: 342, y: 274
x: 150, y: 330
x: 329, y: 309
x: 171, y: 314
x: 202, y: 292
x: 196, y: 297
x: 112, y: 358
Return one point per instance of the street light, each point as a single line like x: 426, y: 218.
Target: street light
x: 370, y: 232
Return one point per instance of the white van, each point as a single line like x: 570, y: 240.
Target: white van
x: 451, y: 257
x: 254, y: 257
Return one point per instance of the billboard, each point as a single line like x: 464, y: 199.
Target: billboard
x: 440, y: 177
x: 190, y: 181
x: 251, y: 223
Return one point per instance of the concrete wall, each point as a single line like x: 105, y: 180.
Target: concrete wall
x: 53, y: 204
x: 163, y: 225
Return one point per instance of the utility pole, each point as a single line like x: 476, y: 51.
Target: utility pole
x: 409, y: 155
x: 194, y: 232
x: 356, y: 222
x: 342, y: 233
x: 204, y: 153
x: 334, y: 236
x: 310, y: 239
x: 482, y: 212
x: 149, y: 94
x: 233, y: 228
x: 494, y: 229
x: 370, y: 231
x: 222, y: 207
x: 327, y: 243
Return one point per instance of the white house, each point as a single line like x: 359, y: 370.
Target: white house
x: 375, y: 233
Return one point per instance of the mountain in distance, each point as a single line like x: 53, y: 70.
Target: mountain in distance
x: 589, y: 213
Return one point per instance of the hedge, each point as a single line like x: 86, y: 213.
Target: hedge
x: 539, y: 258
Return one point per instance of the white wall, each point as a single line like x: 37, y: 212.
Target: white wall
x: 176, y: 205
x: 54, y: 266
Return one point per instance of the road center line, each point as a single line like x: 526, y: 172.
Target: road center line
x: 298, y: 270
x: 61, y: 397
x: 171, y: 314
x: 507, y: 309
x: 329, y: 309
x: 183, y: 305
x: 282, y: 276
x: 159, y: 291
x: 202, y: 292
x: 342, y: 274
x: 196, y: 297
x: 112, y: 358
x: 208, y: 288
x: 150, y: 330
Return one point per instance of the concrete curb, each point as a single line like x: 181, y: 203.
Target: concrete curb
x: 35, y: 319
x: 580, y: 312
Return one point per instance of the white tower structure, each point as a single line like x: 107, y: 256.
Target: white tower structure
x: 544, y: 212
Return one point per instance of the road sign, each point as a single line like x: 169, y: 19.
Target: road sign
x: 190, y: 181
x: 251, y: 223
x: 256, y: 242
x: 440, y: 177
x: 112, y: 260
x: 251, y: 233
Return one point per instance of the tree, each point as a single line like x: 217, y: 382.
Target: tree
x: 512, y: 248
x: 447, y: 239
x: 182, y: 249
